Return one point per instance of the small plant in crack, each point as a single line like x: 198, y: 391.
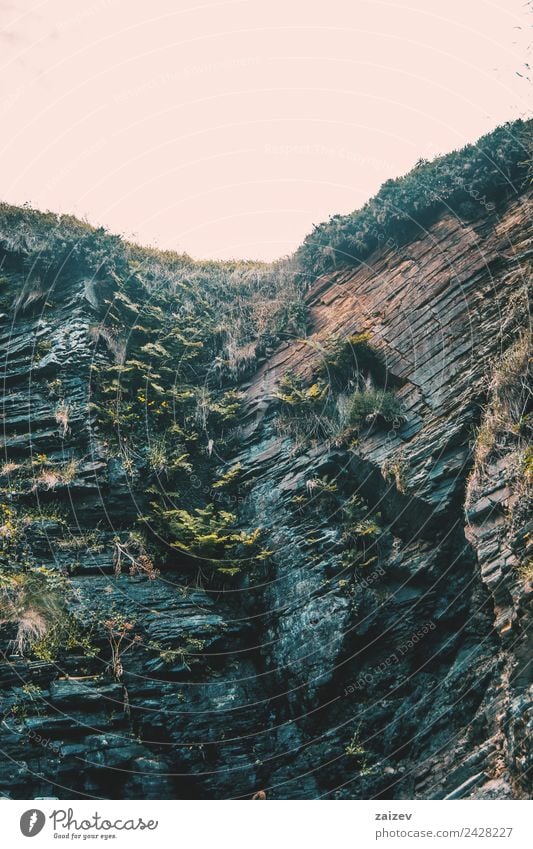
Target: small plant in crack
x: 355, y: 750
x: 133, y: 552
x: 321, y: 485
x: 119, y: 635
x: 62, y: 419
x: 396, y: 469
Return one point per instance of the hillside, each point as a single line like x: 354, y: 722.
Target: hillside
x: 266, y: 528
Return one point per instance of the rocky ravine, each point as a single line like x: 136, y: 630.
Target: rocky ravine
x: 404, y: 678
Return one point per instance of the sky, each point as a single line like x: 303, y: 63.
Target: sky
x: 228, y: 128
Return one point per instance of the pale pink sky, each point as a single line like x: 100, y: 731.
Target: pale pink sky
x: 228, y: 128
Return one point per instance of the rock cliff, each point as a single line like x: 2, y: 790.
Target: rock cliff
x: 377, y: 646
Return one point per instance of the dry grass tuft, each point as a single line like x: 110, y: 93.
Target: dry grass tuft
x: 34, y: 601
x: 506, y: 425
x: 62, y: 419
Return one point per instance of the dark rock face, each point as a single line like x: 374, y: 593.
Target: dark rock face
x: 406, y: 677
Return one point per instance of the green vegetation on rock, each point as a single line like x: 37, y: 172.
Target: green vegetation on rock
x: 462, y: 183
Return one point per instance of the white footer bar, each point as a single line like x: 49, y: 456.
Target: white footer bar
x: 275, y: 825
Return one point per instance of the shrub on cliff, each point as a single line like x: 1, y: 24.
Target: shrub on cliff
x: 373, y: 406
x: 209, y: 535
x: 307, y: 412
x: 347, y: 360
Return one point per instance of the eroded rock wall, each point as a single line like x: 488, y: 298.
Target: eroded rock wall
x: 307, y: 679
